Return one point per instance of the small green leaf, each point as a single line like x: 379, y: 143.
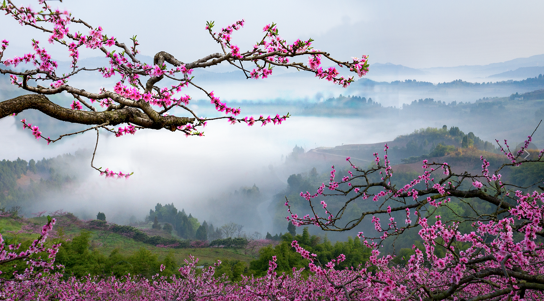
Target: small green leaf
x: 48, y: 218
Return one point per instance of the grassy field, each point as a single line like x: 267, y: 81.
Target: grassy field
x: 106, y: 241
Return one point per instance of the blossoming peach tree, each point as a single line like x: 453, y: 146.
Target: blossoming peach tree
x: 136, y: 101
x: 501, y: 259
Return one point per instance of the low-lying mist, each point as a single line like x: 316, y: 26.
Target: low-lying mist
x: 205, y: 175
x: 195, y: 173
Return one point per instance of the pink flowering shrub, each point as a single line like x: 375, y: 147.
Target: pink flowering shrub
x: 199, y: 244
x: 36, y: 266
x: 254, y: 246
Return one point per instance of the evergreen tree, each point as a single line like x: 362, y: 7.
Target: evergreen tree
x: 195, y: 224
x: 32, y: 166
x: 218, y: 233
x: 305, y: 236
x: 464, y: 144
x: 211, y: 230
x: 313, y: 174
x: 455, y: 131
x: 268, y: 235
x: 156, y: 224
x: 467, y: 141
x: 292, y: 229
x: 101, y: 216
x: 202, y: 232
x: 167, y: 228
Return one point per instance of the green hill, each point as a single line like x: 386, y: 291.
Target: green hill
x: 88, y: 245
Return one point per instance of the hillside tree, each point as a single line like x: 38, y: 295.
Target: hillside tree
x: 101, y: 216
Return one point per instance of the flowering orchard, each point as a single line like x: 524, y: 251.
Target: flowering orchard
x: 500, y: 259
x: 137, y: 101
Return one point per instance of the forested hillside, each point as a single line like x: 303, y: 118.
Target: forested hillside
x: 102, y: 249
x: 462, y: 151
x: 22, y: 182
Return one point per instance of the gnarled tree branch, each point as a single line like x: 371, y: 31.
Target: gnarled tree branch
x: 125, y: 115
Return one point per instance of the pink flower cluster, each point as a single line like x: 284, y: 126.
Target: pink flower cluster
x: 130, y: 129
x: 222, y: 107
x: 163, y: 99
x: 261, y: 73
x: 111, y: 174
x: 224, y: 37
x: 3, y: 47
x: 44, y: 63
x: 250, y: 121
x: 477, y: 184
x: 35, y: 131
x: 314, y: 61
x: 330, y: 73
x: 360, y: 65
x: 190, y: 130
x: 76, y: 105
x: 225, y: 33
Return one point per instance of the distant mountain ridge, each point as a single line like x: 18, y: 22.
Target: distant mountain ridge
x: 523, y: 72
x: 527, y: 68
x: 396, y: 93
x: 532, y: 61
x: 379, y: 69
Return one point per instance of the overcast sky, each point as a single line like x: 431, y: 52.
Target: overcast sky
x: 419, y: 33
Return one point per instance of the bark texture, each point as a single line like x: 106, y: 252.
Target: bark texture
x: 127, y: 114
